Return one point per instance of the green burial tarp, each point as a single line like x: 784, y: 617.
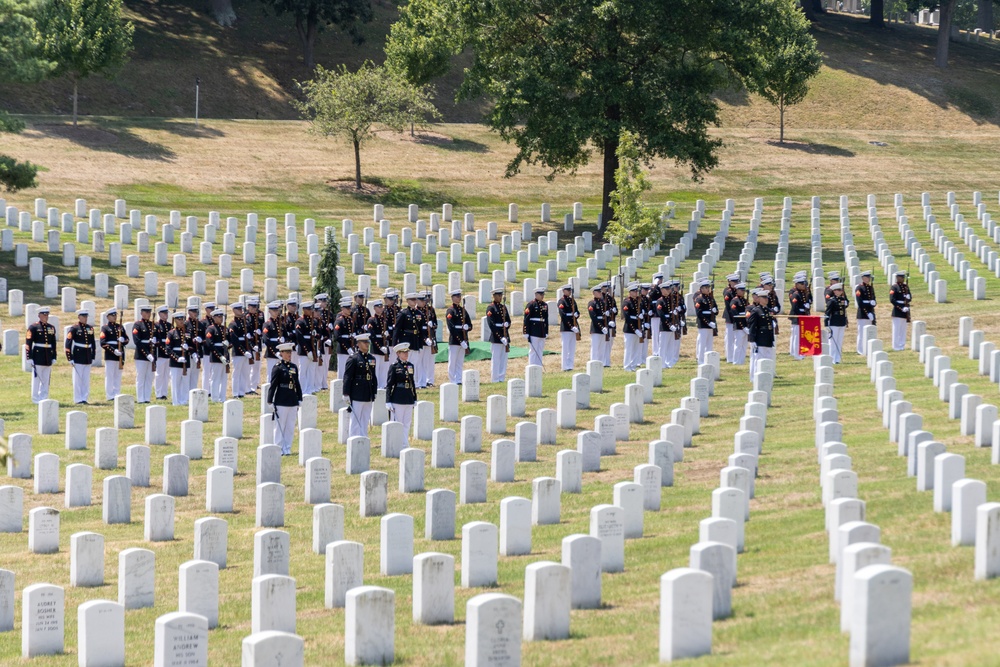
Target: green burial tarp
x: 481, y: 351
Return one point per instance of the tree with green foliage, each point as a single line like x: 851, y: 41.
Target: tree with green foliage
x: 84, y: 37
x: 21, y: 61
x: 789, y: 63
x: 326, y: 278
x: 312, y: 16
x: 353, y: 105
x: 566, y: 77
x: 634, y: 222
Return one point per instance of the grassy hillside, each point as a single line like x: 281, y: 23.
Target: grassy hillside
x: 882, y: 79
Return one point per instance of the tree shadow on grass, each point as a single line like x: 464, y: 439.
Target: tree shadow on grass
x: 812, y: 149
x: 392, y: 192
x: 187, y: 129
x: 456, y: 145
x: 120, y: 140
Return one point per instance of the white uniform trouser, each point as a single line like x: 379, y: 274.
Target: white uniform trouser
x: 217, y: 381
x: 673, y: 350
x: 323, y: 376
x: 837, y: 343
x: 456, y: 364
x: 728, y: 341
x: 162, y: 380
x: 536, y: 346
x: 271, y: 363
x: 361, y: 417
x: 427, y: 360
x: 302, y: 363
x: 660, y: 345
x: 143, y: 380
x: 898, y: 333
x: 793, y: 341
x: 862, y: 325
x: 239, y: 369
x: 498, y: 363
x: 655, y: 340
x: 704, y: 344
x: 631, y: 351
x: 341, y: 365
x: 81, y: 382
x: 739, y: 341
x: 284, y: 426
x: 318, y: 371
x: 404, y: 415
x: 608, y: 344
x: 40, y: 383
x: 757, y: 354
x: 191, y: 380
x: 643, y: 346
x: 597, y: 347
x: 178, y: 386
x: 206, y: 375
x: 254, y: 384
x: 382, y: 371
x: 112, y: 379
x: 568, y: 349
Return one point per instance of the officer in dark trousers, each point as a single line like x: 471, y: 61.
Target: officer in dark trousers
x: 401, y: 390
x: 143, y: 333
x: 760, y: 325
x: 343, y: 335
x: 536, y: 327
x: 360, y: 386
x: 81, y: 350
x: 285, y: 394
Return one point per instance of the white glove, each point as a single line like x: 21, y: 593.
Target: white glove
x: 711, y: 325
x: 281, y: 339
x: 905, y: 309
x: 641, y: 315
x: 503, y: 341
x: 808, y: 305
x: 327, y: 343
x: 257, y: 332
x: 673, y: 328
x: 576, y: 330
x: 184, y: 346
x: 646, y: 325
x: 194, y: 358
x: 612, y: 324
x: 228, y: 344
x: 330, y: 326
x: 465, y: 327
x: 350, y: 352
x: 72, y: 363
x: 604, y: 330
x: 465, y: 346
x: 121, y: 339
x: 154, y: 341
x: 248, y: 355
x: 197, y: 339
x: 428, y: 342
x: 384, y: 350
x: 907, y: 297
x: 149, y: 357
x: 871, y: 316
x: 715, y: 310
x: 607, y: 313
x: 388, y: 406
x: 775, y: 309
x: 118, y: 353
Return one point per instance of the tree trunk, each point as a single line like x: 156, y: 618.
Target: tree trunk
x: 357, y: 164
x: 944, y: 33
x: 984, y: 15
x: 74, y: 100
x: 306, y: 29
x: 808, y: 10
x: 413, y: 134
x: 781, y: 123
x: 610, y: 166
x: 877, y: 19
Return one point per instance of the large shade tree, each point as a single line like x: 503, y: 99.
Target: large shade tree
x: 312, y: 16
x: 567, y: 77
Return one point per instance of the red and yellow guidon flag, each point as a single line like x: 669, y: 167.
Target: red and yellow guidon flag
x: 810, y: 336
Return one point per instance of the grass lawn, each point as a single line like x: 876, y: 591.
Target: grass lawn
x: 784, y: 613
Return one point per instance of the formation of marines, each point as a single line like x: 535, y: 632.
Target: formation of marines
x: 393, y: 345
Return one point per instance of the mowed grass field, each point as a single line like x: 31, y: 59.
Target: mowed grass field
x: 784, y: 613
